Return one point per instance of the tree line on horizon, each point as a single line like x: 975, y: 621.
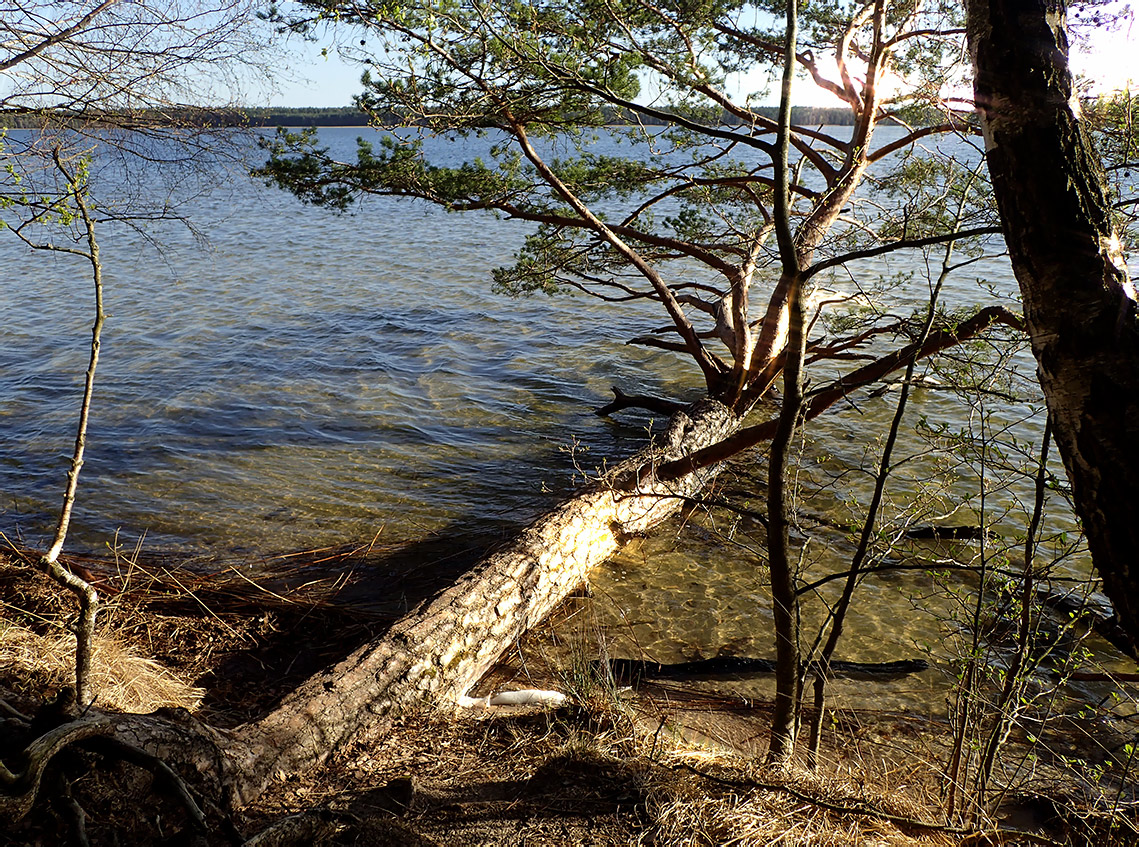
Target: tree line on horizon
x: 316, y: 116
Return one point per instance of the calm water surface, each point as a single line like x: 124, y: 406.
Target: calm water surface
x: 306, y: 379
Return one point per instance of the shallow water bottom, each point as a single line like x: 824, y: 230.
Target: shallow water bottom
x: 677, y: 597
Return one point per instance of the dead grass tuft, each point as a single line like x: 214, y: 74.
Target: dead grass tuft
x: 727, y: 799
x: 122, y: 680
x: 765, y: 818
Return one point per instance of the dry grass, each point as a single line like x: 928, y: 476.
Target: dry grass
x: 589, y: 775
x: 216, y: 627
x: 701, y: 776
x: 122, y: 680
x: 729, y: 801
x: 619, y: 767
x: 768, y: 820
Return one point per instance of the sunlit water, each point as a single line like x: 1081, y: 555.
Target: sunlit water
x: 308, y: 379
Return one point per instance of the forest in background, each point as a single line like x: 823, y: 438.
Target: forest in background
x: 316, y: 116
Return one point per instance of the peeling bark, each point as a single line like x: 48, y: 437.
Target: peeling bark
x: 436, y: 654
x: 1079, y: 304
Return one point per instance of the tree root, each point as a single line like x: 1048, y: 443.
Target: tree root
x: 70, y: 809
x: 13, y: 713
x: 22, y: 788
x: 162, y: 772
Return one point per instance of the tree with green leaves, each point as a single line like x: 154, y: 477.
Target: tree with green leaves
x: 721, y: 216
x: 718, y: 213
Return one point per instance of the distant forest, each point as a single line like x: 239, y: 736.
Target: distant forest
x: 351, y: 116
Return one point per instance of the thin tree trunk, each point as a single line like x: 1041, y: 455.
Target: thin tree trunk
x: 784, y: 600
x: 86, y: 595
x: 1078, y: 301
x: 838, y: 614
x: 1007, y: 708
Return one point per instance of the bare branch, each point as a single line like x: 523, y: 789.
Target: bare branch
x: 825, y: 397
x: 622, y: 401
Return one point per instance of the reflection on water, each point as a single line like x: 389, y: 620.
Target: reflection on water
x: 311, y: 379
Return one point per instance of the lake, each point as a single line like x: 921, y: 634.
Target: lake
x: 303, y: 379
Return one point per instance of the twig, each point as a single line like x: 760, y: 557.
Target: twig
x: 263, y: 589
x: 195, y: 598
x: 862, y: 810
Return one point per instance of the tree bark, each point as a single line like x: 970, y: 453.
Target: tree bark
x: 437, y: 653
x: 1078, y: 301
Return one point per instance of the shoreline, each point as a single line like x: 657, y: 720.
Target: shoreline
x: 615, y: 767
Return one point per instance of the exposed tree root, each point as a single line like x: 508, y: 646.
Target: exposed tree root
x: 75, y: 814
x: 162, y: 772
x: 22, y: 787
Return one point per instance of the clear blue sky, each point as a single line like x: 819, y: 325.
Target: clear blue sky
x: 315, y: 80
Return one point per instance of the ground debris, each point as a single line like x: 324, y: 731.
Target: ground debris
x: 613, y: 767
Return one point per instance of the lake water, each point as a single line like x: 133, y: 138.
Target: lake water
x: 306, y: 379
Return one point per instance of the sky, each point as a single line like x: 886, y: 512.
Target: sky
x: 1110, y: 60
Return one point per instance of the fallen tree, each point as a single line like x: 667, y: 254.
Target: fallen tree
x: 435, y: 654
x: 438, y: 652
x: 635, y: 670
x: 431, y: 657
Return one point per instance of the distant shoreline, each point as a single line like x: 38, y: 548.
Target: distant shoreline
x: 350, y: 116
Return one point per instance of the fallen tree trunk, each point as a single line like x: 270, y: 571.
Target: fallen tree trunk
x: 437, y: 653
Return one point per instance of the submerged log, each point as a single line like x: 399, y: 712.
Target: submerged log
x: 632, y: 671
x: 1074, y: 605
x: 969, y: 532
